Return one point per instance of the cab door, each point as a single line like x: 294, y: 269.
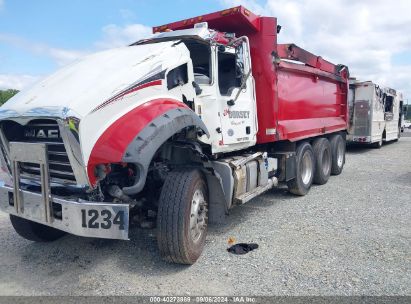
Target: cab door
x: 236, y: 96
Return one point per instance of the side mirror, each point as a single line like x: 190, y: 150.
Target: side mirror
x: 232, y: 102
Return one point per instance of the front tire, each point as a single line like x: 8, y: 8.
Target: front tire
x: 305, y: 163
x: 182, y: 216
x: 33, y: 231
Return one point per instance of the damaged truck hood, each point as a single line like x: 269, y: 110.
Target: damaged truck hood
x: 88, y: 82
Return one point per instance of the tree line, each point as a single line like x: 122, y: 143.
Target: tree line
x: 6, y: 95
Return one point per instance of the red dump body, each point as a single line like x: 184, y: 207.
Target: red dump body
x: 294, y: 100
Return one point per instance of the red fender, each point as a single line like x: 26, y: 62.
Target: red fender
x: 112, y: 144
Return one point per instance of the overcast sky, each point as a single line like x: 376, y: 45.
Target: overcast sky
x: 372, y: 37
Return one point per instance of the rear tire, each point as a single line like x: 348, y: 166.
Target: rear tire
x: 182, y: 216
x: 322, y: 154
x: 399, y: 135
x: 305, y: 163
x: 378, y: 144
x: 34, y: 231
x: 338, y: 154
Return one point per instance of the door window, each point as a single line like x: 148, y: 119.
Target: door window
x: 200, y: 54
x: 230, y: 71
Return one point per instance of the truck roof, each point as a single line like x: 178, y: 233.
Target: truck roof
x: 200, y: 34
x: 387, y: 90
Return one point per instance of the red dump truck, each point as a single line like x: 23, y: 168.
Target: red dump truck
x: 175, y: 130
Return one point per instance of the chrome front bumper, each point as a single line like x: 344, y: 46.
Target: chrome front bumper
x: 83, y: 218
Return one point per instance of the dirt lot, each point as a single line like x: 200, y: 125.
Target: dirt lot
x: 351, y: 236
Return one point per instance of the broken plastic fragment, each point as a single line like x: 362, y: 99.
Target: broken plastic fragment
x: 231, y: 241
x: 242, y: 248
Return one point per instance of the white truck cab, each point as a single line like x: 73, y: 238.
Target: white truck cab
x: 225, y: 97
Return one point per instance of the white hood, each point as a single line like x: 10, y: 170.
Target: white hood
x: 90, y: 81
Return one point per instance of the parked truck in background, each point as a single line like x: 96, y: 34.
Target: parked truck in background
x: 204, y: 115
x: 403, y: 115
x: 376, y: 114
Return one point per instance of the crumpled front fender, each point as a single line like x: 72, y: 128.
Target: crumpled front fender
x: 142, y: 149
x: 136, y: 136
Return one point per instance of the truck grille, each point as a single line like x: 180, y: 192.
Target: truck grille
x: 44, y: 131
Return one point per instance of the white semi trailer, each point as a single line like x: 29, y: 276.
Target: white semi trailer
x: 374, y: 114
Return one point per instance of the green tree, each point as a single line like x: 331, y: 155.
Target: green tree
x: 6, y: 95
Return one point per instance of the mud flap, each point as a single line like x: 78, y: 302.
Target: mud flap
x: 218, y: 207
x: 287, y: 166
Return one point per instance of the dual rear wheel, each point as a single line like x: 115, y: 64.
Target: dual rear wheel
x: 315, y: 163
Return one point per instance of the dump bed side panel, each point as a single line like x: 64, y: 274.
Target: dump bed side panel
x: 310, y: 102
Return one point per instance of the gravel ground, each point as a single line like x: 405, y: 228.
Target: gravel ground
x: 351, y: 236
x: 406, y: 133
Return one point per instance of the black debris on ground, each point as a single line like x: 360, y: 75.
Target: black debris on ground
x: 242, y: 248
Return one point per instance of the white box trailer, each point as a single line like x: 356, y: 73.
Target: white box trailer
x: 374, y: 114
x: 403, y: 114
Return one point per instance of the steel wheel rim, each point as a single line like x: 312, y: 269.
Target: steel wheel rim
x: 198, y: 215
x: 307, y: 168
x: 340, y: 154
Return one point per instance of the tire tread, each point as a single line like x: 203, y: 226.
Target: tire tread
x: 335, y: 170
x: 318, y: 145
x: 171, y: 215
x: 293, y: 185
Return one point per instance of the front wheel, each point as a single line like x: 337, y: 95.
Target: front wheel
x: 182, y: 216
x: 34, y: 231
